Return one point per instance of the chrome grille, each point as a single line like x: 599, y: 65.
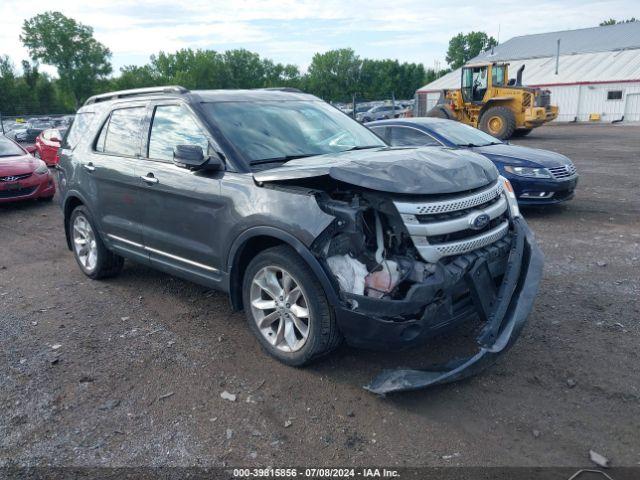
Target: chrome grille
x: 563, y: 171
x: 450, y: 205
x: 432, y: 236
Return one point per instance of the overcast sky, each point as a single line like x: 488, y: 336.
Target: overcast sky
x: 291, y: 31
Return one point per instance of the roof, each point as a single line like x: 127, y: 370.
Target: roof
x: 589, y: 55
x: 610, y: 38
x: 252, y: 95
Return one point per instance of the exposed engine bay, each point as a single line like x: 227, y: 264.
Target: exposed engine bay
x: 369, y: 251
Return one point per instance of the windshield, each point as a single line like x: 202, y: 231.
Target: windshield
x: 280, y: 131
x: 9, y: 149
x: 463, y: 135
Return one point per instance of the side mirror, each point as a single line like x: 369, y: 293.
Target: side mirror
x: 192, y: 157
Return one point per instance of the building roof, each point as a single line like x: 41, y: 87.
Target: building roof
x: 588, y: 55
x: 610, y: 38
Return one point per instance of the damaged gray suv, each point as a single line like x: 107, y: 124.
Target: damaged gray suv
x: 314, y: 226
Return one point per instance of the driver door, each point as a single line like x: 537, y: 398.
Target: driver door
x: 181, y: 207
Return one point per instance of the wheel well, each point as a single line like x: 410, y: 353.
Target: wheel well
x: 245, y: 254
x: 69, y: 206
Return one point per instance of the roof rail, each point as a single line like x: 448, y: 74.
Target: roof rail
x: 282, y: 89
x: 103, y: 97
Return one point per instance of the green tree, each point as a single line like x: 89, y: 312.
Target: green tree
x: 613, y: 21
x: 81, y: 61
x: 463, y: 47
x: 334, y: 75
x: 433, y: 74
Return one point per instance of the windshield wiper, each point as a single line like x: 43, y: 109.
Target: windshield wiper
x: 283, y: 158
x: 361, y: 147
x: 476, y: 145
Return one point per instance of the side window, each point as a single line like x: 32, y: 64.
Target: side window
x: 78, y: 129
x: 381, y: 132
x: 409, y: 137
x: 173, y: 125
x: 120, y: 135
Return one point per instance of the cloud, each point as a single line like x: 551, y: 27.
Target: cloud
x: 291, y: 31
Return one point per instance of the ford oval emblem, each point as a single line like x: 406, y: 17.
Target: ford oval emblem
x: 479, y: 221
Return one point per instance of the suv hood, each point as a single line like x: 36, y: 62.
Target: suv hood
x: 425, y: 171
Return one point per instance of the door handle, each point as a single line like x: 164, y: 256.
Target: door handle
x: 89, y: 167
x: 149, y: 178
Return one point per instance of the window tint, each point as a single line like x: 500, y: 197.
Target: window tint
x: 614, y: 95
x: 120, y: 135
x: 9, y: 149
x: 173, y: 125
x: 79, y: 128
x: 409, y: 137
x: 381, y: 132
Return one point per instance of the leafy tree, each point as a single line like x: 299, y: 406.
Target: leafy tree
x: 80, y: 59
x: 463, y: 47
x: 334, y: 75
x: 613, y: 21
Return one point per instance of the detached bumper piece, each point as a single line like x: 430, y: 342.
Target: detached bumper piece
x: 505, y: 311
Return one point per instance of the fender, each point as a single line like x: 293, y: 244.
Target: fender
x: 289, y: 239
x: 70, y: 195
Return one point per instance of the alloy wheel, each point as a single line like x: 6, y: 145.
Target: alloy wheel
x: 280, y: 308
x: 84, y: 243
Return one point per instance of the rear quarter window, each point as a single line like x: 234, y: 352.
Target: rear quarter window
x: 79, y: 128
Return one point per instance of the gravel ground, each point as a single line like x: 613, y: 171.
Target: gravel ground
x: 130, y: 371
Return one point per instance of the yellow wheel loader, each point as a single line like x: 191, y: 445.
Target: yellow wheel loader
x: 488, y: 100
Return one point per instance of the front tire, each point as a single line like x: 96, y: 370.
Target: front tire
x: 92, y: 256
x: 286, y: 308
x: 498, y: 122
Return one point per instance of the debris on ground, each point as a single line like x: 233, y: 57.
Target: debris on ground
x: 571, y: 383
x: 598, y: 459
x: 229, y: 434
x: 56, y: 346
x: 109, y: 404
x: 166, y: 395
x: 229, y: 396
x: 449, y: 457
x: 601, y: 263
x: 536, y: 433
x: 288, y: 423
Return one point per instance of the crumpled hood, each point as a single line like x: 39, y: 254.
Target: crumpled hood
x: 523, y: 156
x: 426, y: 170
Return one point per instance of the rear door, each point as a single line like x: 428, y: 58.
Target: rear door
x: 181, y: 207
x: 110, y: 171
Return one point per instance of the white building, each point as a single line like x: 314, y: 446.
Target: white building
x: 598, y: 71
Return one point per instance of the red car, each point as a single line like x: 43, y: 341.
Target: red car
x: 47, y: 145
x: 23, y: 177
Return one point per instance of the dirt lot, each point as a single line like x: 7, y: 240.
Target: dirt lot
x: 142, y: 359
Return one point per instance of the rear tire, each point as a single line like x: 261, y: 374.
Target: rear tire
x: 441, y: 111
x: 521, y: 132
x: 276, y: 314
x: 498, y: 122
x: 94, y: 259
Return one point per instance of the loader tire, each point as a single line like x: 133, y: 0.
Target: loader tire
x: 499, y: 122
x: 441, y: 111
x: 521, y: 132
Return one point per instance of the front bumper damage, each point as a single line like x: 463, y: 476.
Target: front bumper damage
x: 506, y: 312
